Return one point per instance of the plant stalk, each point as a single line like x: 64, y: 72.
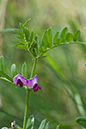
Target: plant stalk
x: 27, y: 97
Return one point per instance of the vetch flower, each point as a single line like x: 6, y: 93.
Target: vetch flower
x: 13, y: 125
x: 30, y: 83
x: 33, y: 83
x: 20, y: 80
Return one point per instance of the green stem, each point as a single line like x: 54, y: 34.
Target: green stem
x: 27, y: 96
x: 61, y: 44
x: 26, y: 110
x: 34, y: 66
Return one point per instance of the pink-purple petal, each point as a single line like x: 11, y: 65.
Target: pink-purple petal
x: 29, y: 83
x: 16, y: 78
x: 39, y: 87
x: 36, y: 87
x: 34, y: 80
x: 20, y: 80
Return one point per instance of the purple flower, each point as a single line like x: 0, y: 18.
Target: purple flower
x: 20, y: 80
x: 33, y: 83
x: 30, y: 83
x: 13, y: 124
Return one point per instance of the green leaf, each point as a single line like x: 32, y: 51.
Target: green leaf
x: 56, y: 36
x: 31, y: 36
x: 37, y: 38
x: 55, y: 67
x: 24, y: 70
x: 44, y: 40
x: 26, y: 22
x: 20, y: 25
x: 47, y: 126
x: 69, y: 37
x: 42, y: 49
x: 18, y: 32
x: 63, y: 33
x: 21, y: 46
x: 7, y: 30
x: 57, y: 41
x: 47, y: 38
x: 76, y: 35
x: 4, y: 76
x: 13, y: 70
x: 57, y: 127
x: 26, y: 32
x: 30, y: 123
x: 19, y: 37
x: 19, y: 41
x: 17, y: 127
x: 42, y: 125
x: 81, y: 121
x: 3, y: 64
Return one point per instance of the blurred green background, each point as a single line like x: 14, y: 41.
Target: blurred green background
x: 63, y: 95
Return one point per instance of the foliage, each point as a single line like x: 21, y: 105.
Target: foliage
x: 82, y: 122
x: 28, y: 41
x: 32, y: 42
x: 55, y: 103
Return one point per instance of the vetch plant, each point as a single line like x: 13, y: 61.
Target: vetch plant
x: 27, y: 40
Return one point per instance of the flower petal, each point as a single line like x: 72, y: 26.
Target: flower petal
x: 20, y: 80
x: 29, y: 84
x: 34, y: 80
x: 13, y: 124
x: 16, y: 78
x: 36, y: 87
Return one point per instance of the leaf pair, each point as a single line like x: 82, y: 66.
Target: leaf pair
x: 3, y: 70
x: 30, y: 123
x: 43, y: 125
x: 24, y: 71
